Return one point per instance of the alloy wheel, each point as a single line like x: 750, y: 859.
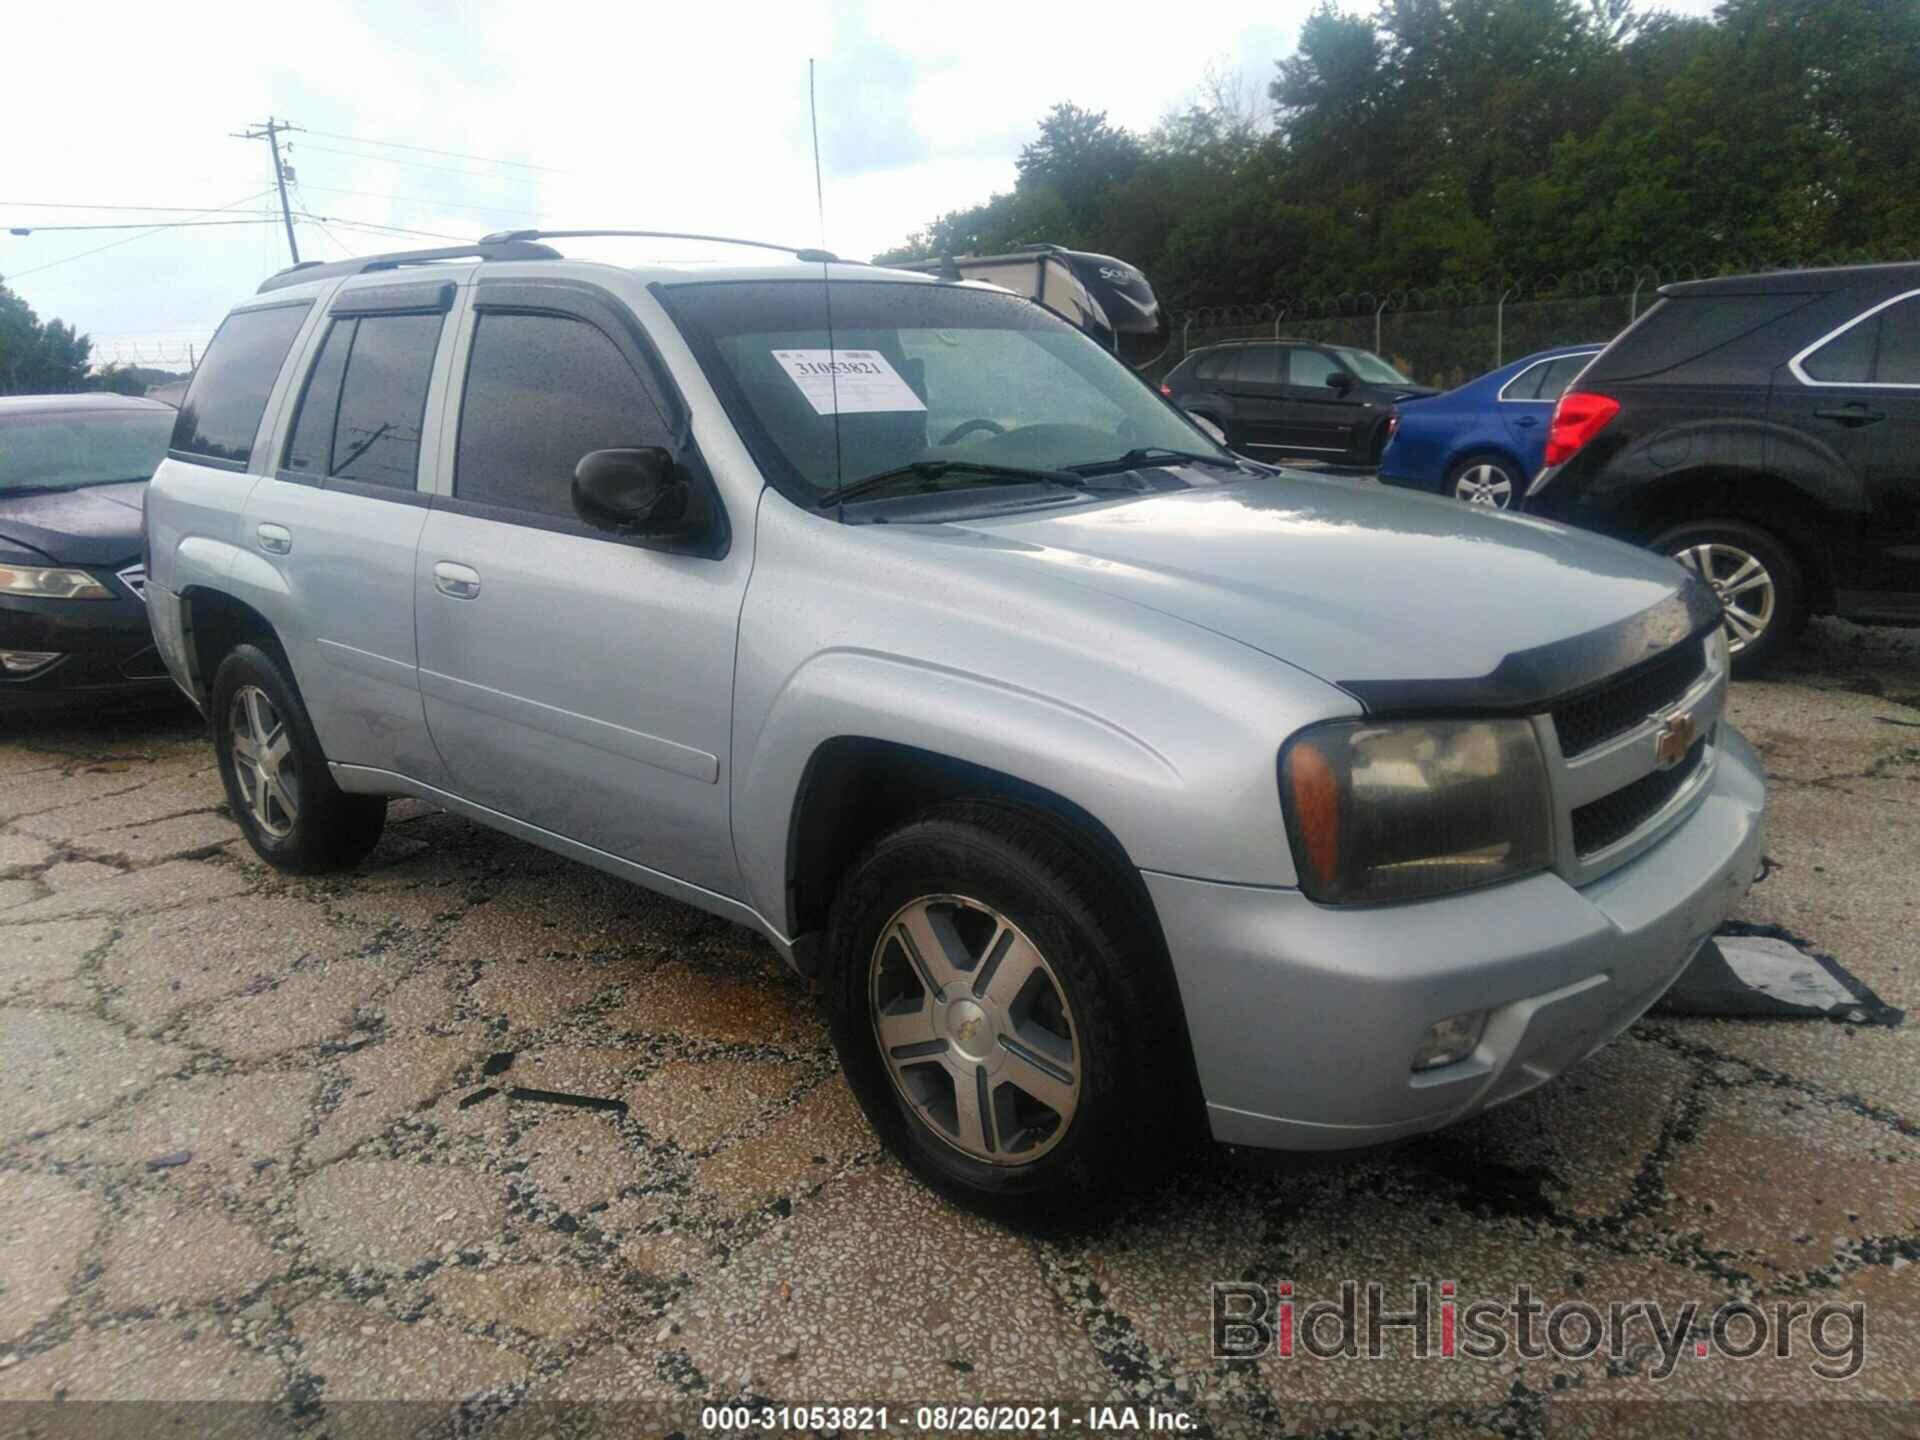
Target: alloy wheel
x: 975, y: 1029
x: 264, y: 765
x: 1484, y: 484
x: 1744, y: 585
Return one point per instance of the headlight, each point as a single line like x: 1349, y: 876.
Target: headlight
x: 1398, y: 810
x: 51, y: 584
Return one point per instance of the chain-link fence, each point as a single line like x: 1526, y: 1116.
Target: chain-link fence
x: 1445, y: 336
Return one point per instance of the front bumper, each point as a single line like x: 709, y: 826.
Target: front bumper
x: 105, y: 647
x: 1304, y: 1017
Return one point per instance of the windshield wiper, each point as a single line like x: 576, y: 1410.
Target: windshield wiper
x: 931, y: 470
x: 1149, y: 455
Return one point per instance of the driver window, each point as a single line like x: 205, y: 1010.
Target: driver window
x: 1310, y: 367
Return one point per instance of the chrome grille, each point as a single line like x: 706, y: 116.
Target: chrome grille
x: 1612, y: 818
x: 134, y: 577
x: 1592, y: 719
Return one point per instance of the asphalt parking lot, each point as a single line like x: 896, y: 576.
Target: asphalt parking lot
x: 477, y: 1124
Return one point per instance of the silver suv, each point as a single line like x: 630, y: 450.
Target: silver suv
x: 1110, y: 786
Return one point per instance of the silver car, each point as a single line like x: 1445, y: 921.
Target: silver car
x: 1113, y: 788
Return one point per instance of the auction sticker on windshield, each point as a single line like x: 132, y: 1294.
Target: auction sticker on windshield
x: 862, y: 380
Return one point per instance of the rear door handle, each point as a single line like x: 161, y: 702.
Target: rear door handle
x: 1854, y: 414
x: 458, y: 582
x: 1527, y: 422
x: 275, y: 539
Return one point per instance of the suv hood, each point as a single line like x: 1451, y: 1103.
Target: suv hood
x: 1406, y: 601
x: 95, y: 525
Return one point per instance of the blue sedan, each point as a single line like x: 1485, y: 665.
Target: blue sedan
x: 1483, y: 442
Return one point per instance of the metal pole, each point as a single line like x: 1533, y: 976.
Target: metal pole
x: 1499, y: 328
x: 1183, y: 335
x: 280, y: 179
x: 1633, y: 306
x: 1376, y: 321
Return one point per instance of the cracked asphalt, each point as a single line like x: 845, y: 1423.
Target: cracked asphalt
x: 306, y: 1143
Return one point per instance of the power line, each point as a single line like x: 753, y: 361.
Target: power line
x: 415, y: 164
x: 418, y: 200
x: 157, y: 209
x: 129, y: 239
x: 266, y: 218
x: 390, y: 229
x: 306, y: 209
x: 449, y: 154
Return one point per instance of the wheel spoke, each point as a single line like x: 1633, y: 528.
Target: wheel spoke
x: 909, y: 1030
x: 936, y: 951
x: 257, y: 727
x: 262, y: 799
x: 244, y: 748
x: 279, y: 745
x: 1045, y: 1080
x: 1759, y: 581
x: 974, y: 1121
x: 1009, y: 964
x: 1744, y: 629
x: 1749, y: 568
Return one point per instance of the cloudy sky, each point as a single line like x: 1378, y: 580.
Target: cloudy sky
x: 681, y: 117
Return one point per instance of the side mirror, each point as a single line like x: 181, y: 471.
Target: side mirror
x: 1340, y: 381
x: 631, y: 492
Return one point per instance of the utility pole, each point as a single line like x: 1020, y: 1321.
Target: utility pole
x: 271, y: 132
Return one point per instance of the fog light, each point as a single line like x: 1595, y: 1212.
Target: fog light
x: 25, y: 662
x: 1449, y: 1040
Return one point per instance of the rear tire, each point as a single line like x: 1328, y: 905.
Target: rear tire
x: 1757, y: 580
x: 278, y: 785
x: 1485, y: 480
x: 1036, y: 1060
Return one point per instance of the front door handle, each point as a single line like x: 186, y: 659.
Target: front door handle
x: 1854, y: 414
x: 459, y: 582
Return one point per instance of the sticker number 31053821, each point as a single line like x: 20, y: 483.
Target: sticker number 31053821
x: 862, y: 380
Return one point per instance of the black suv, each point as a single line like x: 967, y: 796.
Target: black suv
x: 1294, y: 397
x: 1765, y: 431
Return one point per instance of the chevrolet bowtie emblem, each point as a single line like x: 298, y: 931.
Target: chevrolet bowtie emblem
x: 1674, y: 740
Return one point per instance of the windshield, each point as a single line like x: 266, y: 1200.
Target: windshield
x: 65, y: 449
x: 1370, y: 367
x: 919, y: 373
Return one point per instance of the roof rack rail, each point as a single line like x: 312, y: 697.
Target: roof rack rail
x: 799, y: 252
x: 490, y: 248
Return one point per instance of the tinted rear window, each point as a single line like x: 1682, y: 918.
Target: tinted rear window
x: 221, y: 412
x: 1216, y: 366
x: 1676, y: 331
x: 361, y: 416
x: 1259, y: 365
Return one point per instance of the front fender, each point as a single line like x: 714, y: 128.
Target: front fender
x: 1108, y: 771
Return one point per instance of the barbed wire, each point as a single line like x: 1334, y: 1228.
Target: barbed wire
x: 1598, y: 281
x: 178, y: 355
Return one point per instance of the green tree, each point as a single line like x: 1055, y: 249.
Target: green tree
x: 36, y: 358
x: 1442, y: 141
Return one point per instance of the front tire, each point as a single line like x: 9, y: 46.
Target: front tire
x: 276, y: 775
x: 1005, y: 1015
x: 1758, y: 582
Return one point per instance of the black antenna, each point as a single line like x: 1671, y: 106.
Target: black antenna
x: 826, y: 287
